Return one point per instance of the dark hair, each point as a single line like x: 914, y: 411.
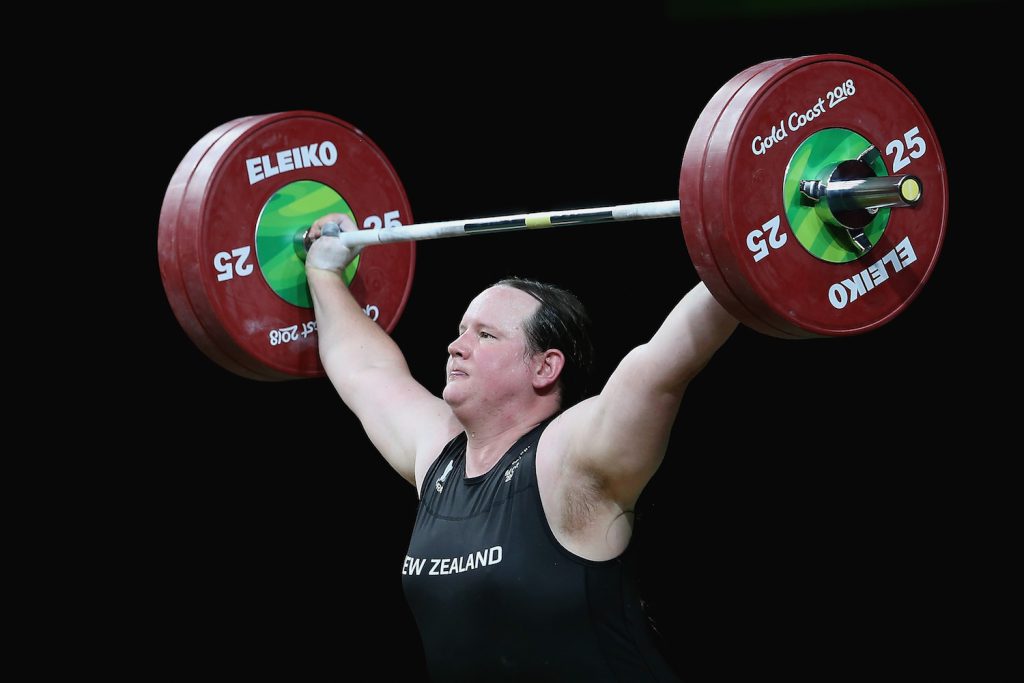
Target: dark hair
x: 560, y: 323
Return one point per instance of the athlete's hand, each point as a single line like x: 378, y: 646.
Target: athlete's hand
x: 327, y: 252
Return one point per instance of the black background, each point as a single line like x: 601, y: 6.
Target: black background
x: 802, y: 521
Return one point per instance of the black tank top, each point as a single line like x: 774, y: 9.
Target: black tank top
x: 497, y: 597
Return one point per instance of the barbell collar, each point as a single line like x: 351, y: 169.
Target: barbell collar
x: 865, y: 193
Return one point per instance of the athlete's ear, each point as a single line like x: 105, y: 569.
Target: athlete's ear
x: 547, y: 368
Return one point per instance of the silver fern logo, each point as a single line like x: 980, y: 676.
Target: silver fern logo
x: 439, y: 485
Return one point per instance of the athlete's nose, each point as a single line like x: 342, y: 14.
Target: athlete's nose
x: 458, y: 348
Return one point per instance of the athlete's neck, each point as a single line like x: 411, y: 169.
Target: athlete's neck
x: 488, y: 440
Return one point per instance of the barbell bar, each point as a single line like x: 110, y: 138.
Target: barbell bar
x: 840, y: 197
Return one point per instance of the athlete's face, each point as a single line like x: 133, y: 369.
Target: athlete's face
x: 488, y: 361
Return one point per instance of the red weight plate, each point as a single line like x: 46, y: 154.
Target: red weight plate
x: 167, y: 238
x: 248, y: 182
x: 188, y: 229
x: 790, y: 289
x: 691, y: 180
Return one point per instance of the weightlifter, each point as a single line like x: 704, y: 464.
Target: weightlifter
x: 518, y: 564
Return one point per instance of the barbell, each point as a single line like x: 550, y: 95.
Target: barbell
x: 813, y: 198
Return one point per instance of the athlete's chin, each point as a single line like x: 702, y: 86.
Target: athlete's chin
x: 452, y: 394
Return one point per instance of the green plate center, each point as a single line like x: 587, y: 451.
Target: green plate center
x: 818, y: 152
x: 286, y: 215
